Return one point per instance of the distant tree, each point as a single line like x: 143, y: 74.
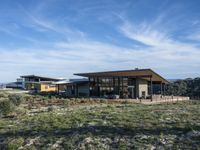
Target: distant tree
x: 188, y: 87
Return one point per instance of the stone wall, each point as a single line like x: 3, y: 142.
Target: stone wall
x: 142, y: 86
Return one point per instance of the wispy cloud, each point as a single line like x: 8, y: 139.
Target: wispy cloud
x: 194, y: 36
x: 39, y: 22
x: 60, y: 48
x: 144, y: 33
x: 159, y: 41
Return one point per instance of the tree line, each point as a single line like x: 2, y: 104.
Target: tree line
x: 187, y: 87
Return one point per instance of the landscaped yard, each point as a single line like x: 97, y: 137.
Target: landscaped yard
x: 101, y: 125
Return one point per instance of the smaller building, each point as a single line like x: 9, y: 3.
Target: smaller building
x: 39, y: 83
x: 74, y: 87
x: 2, y: 86
x: 15, y: 85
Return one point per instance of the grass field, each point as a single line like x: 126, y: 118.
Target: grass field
x: 103, y: 125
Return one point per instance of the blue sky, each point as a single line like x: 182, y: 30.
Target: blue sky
x: 60, y: 37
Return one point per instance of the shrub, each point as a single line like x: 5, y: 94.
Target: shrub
x: 15, y: 99
x: 15, y: 143
x: 50, y: 108
x: 66, y: 102
x: 45, y: 98
x: 103, y: 100
x: 27, y: 98
x: 3, y: 95
x: 5, y: 107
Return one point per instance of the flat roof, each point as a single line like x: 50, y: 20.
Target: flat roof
x: 142, y: 73
x: 36, y: 76
x: 72, y: 81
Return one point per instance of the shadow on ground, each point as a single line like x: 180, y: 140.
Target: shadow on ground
x: 105, y: 132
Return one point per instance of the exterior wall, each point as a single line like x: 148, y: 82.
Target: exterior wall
x: 104, y: 86
x: 69, y: 90
x: 17, y: 85
x: 62, y: 87
x: 124, y: 87
x: 141, y: 88
x: 48, y: 88
x: 40, y: 87
x: 75, y: 89
x: 33, y: 86
x: 83, y: 90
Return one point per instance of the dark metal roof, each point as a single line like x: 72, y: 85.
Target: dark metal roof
x: 142, y: 73
x: 41, y: 77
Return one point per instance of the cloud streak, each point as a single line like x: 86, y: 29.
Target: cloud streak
x: 59, y: 49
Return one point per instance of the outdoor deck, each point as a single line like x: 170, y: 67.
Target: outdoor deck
x: 156, y: 99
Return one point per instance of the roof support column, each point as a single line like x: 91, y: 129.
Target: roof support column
x: 119, y: 85
x: 114, y: 85
x: 164, y: 89
x: 58, y: 88
x: 77, y: 94
x: 98, y: 87
x: 89, y: 87
x: 151, y: 88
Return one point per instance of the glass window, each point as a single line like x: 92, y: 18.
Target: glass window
x: 125, y: 81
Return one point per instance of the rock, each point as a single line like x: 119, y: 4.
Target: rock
x: 163, y: 141
x: 88, y: 140
x: 57, y: 144
x: 144, y: 137
x: 152, y: 147
x: 106, y: 140
x: 32, y: 141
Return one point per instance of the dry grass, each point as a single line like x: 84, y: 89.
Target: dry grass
x: 101, y: 124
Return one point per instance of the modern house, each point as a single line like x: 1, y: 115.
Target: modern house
x: 39, y: 84
x: 138, y: 83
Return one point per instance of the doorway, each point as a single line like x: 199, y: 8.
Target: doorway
x: 131, y: 91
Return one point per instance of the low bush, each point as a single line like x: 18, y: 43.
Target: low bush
x: 15, y: 143
x: 5, y: 107
x: 3, y: 95
x: 50, y: 108
x: 66, y: 103
x: 15, y: 99
x: 27, y: 98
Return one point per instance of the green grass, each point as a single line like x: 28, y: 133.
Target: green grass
x: 106, y: 126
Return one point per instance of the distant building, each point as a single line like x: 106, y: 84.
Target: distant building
x: 15, y: 85
x: 138, y: 83
x: 39, y: 84
x: 2, y: 86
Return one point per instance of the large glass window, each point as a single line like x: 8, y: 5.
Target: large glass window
x: 108, y: 85
x: 125, y: 81
x: 131, y: 81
